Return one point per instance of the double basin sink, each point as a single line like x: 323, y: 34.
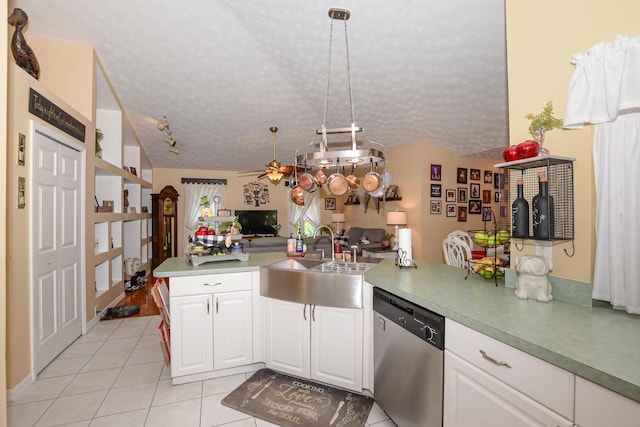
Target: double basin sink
x: 315, y: 281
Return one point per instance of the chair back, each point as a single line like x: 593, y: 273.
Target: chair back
x: 456, y: 252
x: 462, y: 235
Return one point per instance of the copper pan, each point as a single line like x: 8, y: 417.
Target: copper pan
x: 352, y: 179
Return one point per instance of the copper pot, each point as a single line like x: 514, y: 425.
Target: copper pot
x: 307, y: 182
x: 337, y: 183
x: 372, y: 181
x: 297, y: 195
x: 320, y: 177
x: 353, y: 180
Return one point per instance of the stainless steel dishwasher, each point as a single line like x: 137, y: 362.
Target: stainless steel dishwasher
x: 408, y: 360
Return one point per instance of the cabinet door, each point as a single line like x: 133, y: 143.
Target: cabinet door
x: 474, y: 398
x: 598, y: 406
x: 336, y: 346
x: 287, y: 337
x: 191, y: 335
x: 232, y: 330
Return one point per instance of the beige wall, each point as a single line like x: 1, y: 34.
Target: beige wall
x: 542, y: 36
x: 3, y: 232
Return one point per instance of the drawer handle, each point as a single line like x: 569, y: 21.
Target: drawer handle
x: 494, y: 361
x: 214, y: 284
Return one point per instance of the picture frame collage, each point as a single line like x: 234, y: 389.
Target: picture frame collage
x: 477, y: 189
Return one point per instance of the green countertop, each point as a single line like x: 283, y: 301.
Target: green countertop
x: 180, y: 266
x: 596, y: 343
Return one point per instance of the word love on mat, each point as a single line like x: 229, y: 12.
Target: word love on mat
x: 291, y: 402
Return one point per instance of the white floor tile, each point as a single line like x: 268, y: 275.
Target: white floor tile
x: 125, y: 399
x: 184, y: 414
x: 385, y: 423
x: 376, y: 415
x: 80, y: 349
x: 91, y: 381
x: 145, y: 355
x: 43, y: 389
x: 128, y: 332
x: 262, y: 423
x: 70, y: 409
x: 247, y: 422
x: 215, y: 414
x: 149, y: 341
x: 125, y: 419
x: 115, y: 345
x: 222, y: 385
x: 64, y: 367
x: 168, y: 393
x: 106, y: 361
x: 27, y: 414
x: 139, y: 374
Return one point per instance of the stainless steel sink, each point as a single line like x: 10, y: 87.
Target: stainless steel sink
x: 320, y: 282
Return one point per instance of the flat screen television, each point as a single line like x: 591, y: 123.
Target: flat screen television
x: 258, y: 221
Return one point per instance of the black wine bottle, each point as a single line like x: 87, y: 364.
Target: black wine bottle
x: 520, y: 214
x: 543, y: 211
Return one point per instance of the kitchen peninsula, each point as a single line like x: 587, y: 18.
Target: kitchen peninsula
x: 598, y: 344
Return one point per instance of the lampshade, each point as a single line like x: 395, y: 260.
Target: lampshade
x: 338, y: 217
x: 275, y: 177
x: 397, y: 218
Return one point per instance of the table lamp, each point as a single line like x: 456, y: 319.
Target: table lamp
x: 338, y: 218
x: 396, y: 218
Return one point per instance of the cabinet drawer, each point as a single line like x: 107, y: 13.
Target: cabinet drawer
x: 542, y: 381
x: 210, y: 283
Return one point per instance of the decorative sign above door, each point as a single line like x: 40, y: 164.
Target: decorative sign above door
x: 41, y: 107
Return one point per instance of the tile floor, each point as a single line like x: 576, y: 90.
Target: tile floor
x: 115, y: 375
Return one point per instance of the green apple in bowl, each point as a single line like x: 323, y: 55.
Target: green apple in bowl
x: 481, y: 238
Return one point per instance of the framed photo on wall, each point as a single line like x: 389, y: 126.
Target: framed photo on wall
x: 330, y: 204
x: 474, y: 174
x: 499, y: 179
x: 436, y: 172
x: 461, y: 176
x: 451, y: 195
x: 436, y: 207
x: 488, y: 175
x: 475, y: 191
x: 462, y: 195
x: 451, y: 211
x: 462, y: 214
x: 497, y: 197
x: 486, y: 196
x: 436, y: 190
x: 475, y: 207
x: 486, y: 214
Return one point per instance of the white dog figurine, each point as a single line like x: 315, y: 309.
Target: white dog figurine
x: 533, y: 278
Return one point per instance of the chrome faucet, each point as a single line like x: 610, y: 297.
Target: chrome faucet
x: 333, y: 254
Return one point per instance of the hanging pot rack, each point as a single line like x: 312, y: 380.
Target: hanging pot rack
x: 324, y: 157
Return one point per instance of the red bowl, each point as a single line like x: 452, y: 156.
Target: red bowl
x: 528, y: 148
x: 510, y: 154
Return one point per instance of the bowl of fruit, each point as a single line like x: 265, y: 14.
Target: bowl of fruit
x: 489, y: 238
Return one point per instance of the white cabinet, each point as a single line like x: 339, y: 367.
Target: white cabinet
x: 232, y: 325
x: 191, y: 335
x: 212, y: 323
x: 321, y: 343
x: 597, y: 406
x: 490, y: 383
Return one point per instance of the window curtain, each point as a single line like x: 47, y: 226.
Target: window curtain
x: 309, y: 213
x: 192, y: 209
x: 605, y: 91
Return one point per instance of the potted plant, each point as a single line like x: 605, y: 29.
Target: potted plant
x: 542, y: 123
x: 99, y: 136
x: 232, y: 227
x: 206, y: 206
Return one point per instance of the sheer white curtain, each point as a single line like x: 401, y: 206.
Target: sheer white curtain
x: 309, y: 213
x: 192, y: 209
x: 605, y: 91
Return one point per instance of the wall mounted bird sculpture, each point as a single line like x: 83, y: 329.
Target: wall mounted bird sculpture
x: 22, y: 53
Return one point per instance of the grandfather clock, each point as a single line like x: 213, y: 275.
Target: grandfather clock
x: 165, y: 225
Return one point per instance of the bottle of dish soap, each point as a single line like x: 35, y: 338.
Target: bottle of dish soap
x: 291, y: 244
x: 299, y: 242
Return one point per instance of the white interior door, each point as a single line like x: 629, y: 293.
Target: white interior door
x: 57, y: 206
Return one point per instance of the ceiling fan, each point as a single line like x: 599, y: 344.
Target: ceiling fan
x: 275, y: 171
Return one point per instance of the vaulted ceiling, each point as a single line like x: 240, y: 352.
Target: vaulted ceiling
x: 225, y: 71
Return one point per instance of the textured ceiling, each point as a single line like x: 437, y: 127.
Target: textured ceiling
x: 225, y: 71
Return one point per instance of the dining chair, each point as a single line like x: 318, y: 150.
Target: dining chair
x: 456, y: 252
x: 462, y: 235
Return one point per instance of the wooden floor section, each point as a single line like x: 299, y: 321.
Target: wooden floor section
x: 143, y: 298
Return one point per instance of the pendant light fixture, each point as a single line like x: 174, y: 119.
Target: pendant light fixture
x: 323, y: 156
x: 274, y: 168
x: 164, y: 126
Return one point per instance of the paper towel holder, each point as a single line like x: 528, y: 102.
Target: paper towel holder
x: 402, y: 261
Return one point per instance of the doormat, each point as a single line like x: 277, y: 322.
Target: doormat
x: 291, y: 402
